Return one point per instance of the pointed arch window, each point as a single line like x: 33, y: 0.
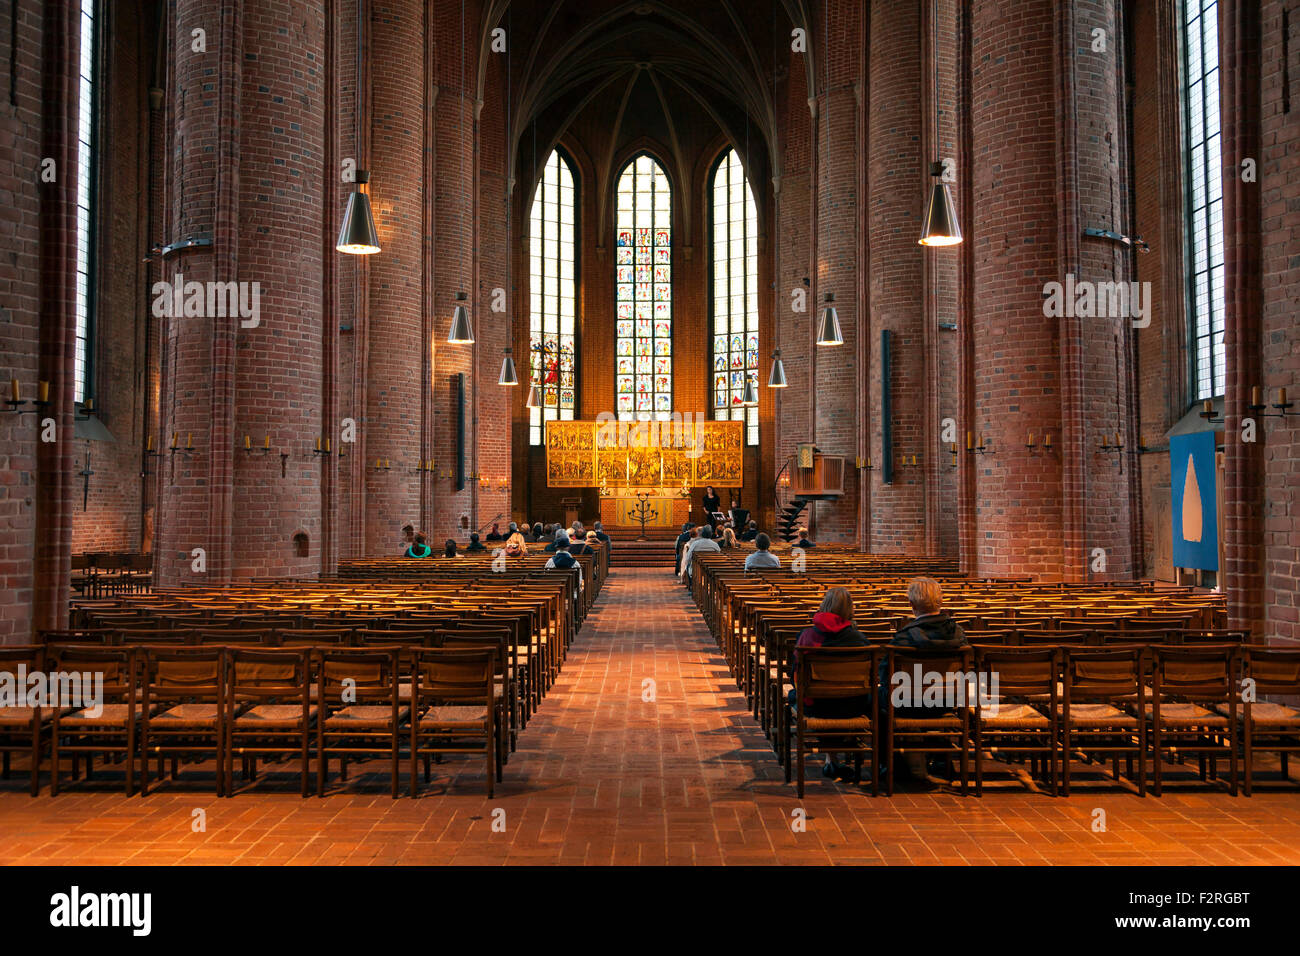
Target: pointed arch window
x: 87, y: 110
x: 552, y: 321
x: 734, y: 296
x: 643, y: 291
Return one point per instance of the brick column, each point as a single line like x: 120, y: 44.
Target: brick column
x: 60, y: 56
x: 1243, y: 495
x: 246, y: 170
x: 897, y: 180
x: 397, y: 326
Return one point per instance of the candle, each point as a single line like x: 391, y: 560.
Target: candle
x: 1208, y: 405
x: 1031, y: 439
x: 379, y: 463
x: 267, y: 444
x: 914, y: 459
x: 970, y: 441
x: 1281, y: 396
x: 388, y: 463
x: 318, y: 443
x: 44, y: 392
x: 327, y: 446
x: 1254, y: 396
x: 13, y: 389
x: 248, y: 443
x: 88, y: 404
x: 189, y: 439
x: 1117, y: 444
x: 148, y: 445
x: 981, y: 439
x: 1047, y: 440
x: 175, y: 438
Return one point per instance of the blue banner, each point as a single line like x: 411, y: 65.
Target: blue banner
x: 1195, y: 512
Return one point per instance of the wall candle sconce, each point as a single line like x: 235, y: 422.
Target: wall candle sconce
x: 1207, y: 412
x: 148, y: 453
x: 1117, y: 447
x: 1258, y: 407
x: 1034, y: 447
x: 187, y: 449
x: 42, y: 400
x: 952, y: 450
x: 983, y: 448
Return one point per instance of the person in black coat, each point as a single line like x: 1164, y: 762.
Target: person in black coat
x: 688, y: 532
x: 474, y: 543
x: 495, y: 534
x: 711, y: 504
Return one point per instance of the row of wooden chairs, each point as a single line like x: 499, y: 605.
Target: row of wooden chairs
x: 111, y: 572
x: 221, y: 702
x: 1049, y: 704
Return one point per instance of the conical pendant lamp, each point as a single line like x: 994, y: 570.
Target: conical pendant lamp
x: 358, y: 237
x: 750, y: 396
x: 777, y: 378
x: 508, y: 375
x: 828, y: 331
x: 461, y: 334
x: 940, y: 226
x: 534, y: 396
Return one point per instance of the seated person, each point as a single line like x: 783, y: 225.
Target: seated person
x: 495, y: 534
x: 739, y: 516
x: 728, y: 538
x: 832, y: 626
x: 408, y: 536
x: 592, y: 542
x: 515, y: 546
x: 600, y: 533
x: 561, y: 558
x: 930, y: 630
x: 762, y: 556
x: 750, y: 532
x: 536, y: 532
x: 475, y: 544
x: 803, y: 541
x: 578, y: 544
x: 449, y: 549
x: 705, y: 542
x: 688, y: 532
x: 418, y: 548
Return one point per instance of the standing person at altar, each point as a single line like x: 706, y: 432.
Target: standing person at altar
x: 711, y: 504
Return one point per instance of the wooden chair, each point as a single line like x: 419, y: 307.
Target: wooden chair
x: 506, y: 698
x: 1104, y: 706
x: 1020, y: 677
x: 836, y: 673
x: 359, y: 711
x: 268, y: 709
x: 182, y: 696
x: 23, y: 727
x: 927, y: 730
x: 1270, y: 727
x: 1182, y: 680
x: 111, y: 727
x: 456, y: 711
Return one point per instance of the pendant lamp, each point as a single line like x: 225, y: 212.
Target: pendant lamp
x: 828, y: 330
x: 461, y: 334
x: 508, y: 375
x: 777, y: 378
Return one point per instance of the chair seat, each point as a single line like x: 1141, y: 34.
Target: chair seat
x: 365, y: 717
x: 1100, y: 715
x: 274, y: 716
x: 22, y: 716
x: 452, y: 717
x: 187, y: 716
x: 826, y: 725
x: 1267, y: 714
x: 111, y: 715
x: 927, y: 723
x: 1011, y: 717
x: 1189, y: 715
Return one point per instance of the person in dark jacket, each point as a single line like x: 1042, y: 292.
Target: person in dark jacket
x: 537, y: 532
x: 751, y: 531
x: 930, y: 630
x: 688, y: 531
x: 832, y: 626
x: 601, y: 536
x: 495, y: 534
x: 449, y: 549
x: 475, y: 544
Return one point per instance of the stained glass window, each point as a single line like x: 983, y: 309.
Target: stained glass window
x: 553, y: 298
x: 643, y: 292
x: 85, y: 195
x: 1204, y: 196
x: 735, y: 293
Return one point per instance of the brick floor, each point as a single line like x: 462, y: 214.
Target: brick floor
x: 602, y: 776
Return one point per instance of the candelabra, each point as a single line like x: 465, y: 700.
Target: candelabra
x: 643, y: 511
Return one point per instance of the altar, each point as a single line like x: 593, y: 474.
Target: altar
x: 645, y: 469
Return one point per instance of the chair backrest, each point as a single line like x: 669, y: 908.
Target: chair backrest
x: 269, y: 672
x: 1211, y: 636
x: 1275, y: 670
x: 232, y: 635
x: 1104, y: 673
x: 368, y: 674
x: 454, y: 674
x: 313, y: 636
x: 115, y: 663
x: 1201, y: 672
x: 1021, y: 671
x: 828, y: 672
x: 369, y: 637
x: 29, y: 657
x: 172, y: 673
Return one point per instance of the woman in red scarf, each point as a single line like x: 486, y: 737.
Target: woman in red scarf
x: 833, y: 627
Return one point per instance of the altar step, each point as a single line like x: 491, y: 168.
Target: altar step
x: 627, y: 552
